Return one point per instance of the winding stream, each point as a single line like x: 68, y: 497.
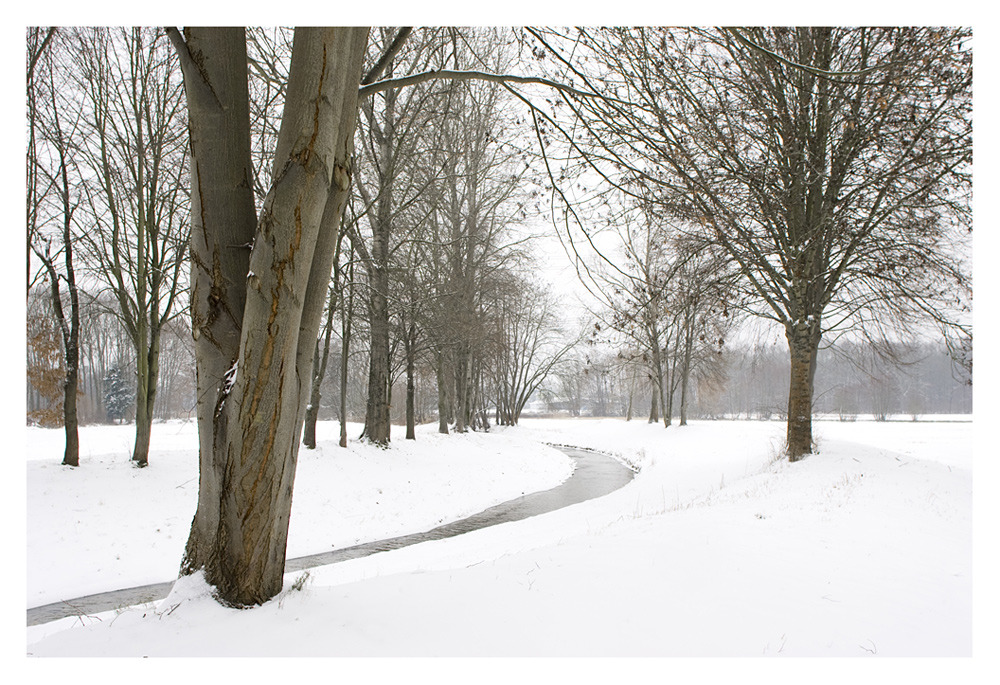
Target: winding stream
x: 595, y: 475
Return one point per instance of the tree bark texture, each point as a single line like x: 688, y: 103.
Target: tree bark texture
x: 253, y: 388
x: 803, y: 346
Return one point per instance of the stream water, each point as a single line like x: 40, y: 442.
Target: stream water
x: 595, y: 475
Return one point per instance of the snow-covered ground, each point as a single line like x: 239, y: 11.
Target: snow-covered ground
x: 122, y: 527
x: 717, y: 548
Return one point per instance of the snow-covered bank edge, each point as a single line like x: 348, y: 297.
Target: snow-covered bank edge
x: 622, y: 459
x: 125, y: 527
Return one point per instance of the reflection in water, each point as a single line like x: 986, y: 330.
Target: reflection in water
x: 595, y: 475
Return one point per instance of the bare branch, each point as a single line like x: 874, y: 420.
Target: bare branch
x: 388, y: 56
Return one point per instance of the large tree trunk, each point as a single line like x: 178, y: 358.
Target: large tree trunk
x: 223, y: 220
x: 803, y: 345
x: 253, y: 390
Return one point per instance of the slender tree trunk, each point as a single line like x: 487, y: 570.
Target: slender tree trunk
x: 378, y: 418
x: 143, y: 416
x: 686, y: 365
x: 71, y: 354
x: 631, y: 392
x: 319, y: 372
x: 346, y: 318
x: 671, y: 384
x: 803, y: 345
x: 345, y: 349
x: 145, y: 399
x: 411, y: 386
x: 312, y: 409
x: 462, y: 391
x: 143, y: 408
x: 444, y: 394
x: 377, y: 413
x: 667, y: 410
x: 70, y: 328
x: 654, y: 414
x: 145, y: 396
x: 658, y: 375
x: 71, y: 456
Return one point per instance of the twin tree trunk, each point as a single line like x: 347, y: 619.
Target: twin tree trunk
x: 258, y: 288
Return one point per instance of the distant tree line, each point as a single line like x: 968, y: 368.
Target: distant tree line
x: 853, y: 381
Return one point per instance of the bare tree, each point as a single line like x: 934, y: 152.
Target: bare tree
x: 135, y: 150
x: 630, y: 276
x: 832, y: 165
x: 530, y: 345
x: 52, y: 231
x: 391, y: 131
x: 476, y: 200
x: 38, y: 39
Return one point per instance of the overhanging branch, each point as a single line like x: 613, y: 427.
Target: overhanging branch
x: 425, y: 76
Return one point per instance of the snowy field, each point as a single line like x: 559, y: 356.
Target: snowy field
x: 716, y: 549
